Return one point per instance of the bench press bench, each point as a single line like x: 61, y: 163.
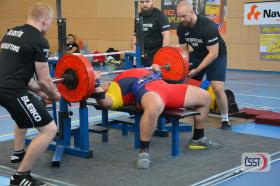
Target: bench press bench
x: 174, y: 116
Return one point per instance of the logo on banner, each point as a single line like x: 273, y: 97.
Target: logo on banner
x: 254, y: 13
x: 256, y: 161
x: 265, y: 13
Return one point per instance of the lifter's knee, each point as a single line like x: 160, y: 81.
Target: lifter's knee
x: 207, y: 98
x: 152, y: 104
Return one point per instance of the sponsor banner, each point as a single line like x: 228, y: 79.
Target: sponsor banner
x: 264, y: 13
x: 270, y: 43
x: 215, y: 10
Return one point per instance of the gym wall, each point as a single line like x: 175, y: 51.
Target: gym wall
x: 109, y: 23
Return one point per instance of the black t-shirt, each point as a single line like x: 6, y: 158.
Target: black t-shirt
x: 204, y: 33
x: 20, y: 48
x: 69, y: 46
x: 153, y: 25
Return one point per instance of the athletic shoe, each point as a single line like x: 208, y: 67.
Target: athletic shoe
x: 112, y: 62
x: 16, y: 158
x: 143, y: 160
x: 225, y: 125
x: 203, y: 143
x: 25, y: 180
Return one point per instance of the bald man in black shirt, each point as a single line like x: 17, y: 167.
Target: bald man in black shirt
x: 209, y: 53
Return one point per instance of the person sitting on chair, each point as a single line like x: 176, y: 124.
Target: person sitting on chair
x: 71, y: 44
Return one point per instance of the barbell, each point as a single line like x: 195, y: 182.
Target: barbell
x: 75, y: 76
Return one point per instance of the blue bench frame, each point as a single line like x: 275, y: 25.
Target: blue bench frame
x: 174, y: 115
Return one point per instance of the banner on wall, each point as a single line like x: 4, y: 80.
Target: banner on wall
x: 270, y: 43
x: 264, y: 13
x: 213, y: 9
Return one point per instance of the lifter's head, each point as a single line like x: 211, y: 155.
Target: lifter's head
x: 105, y: 86
x: 40, y: 16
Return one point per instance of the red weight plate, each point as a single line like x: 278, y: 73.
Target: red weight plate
x: 84, y: 71
x: 178, y: 61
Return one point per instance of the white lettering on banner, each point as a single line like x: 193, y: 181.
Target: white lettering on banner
x: 31, y: 108
x: 15, y: 33
x: 10, y: 46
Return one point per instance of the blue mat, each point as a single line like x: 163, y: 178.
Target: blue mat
x: 270, y: 178
x: 258, y: 130
x: 4, y: 180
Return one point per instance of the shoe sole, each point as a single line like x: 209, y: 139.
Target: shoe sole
x: 226, y: 128
x: 17, y: 185
x: 192, y: 147
x: 143, y: 164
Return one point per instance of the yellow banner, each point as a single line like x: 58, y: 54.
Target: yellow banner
x: 270, y: 43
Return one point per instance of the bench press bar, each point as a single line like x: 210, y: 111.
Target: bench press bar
x: 96, y: 55
x: 58, y: 80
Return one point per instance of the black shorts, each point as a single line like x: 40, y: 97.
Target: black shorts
x: 216, y: 71
x: 27, y: 111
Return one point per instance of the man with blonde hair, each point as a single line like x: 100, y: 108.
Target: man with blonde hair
x: 209, y: 53
x: 24, y: 52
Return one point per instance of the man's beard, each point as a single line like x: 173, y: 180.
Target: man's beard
x: 147, y: 12
x: 187, y: 24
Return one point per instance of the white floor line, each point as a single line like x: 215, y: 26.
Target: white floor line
x: 255, y: 84
x: 251, y: 95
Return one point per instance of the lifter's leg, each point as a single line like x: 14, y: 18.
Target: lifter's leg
x: 199, y: 100
x: 153, y: 106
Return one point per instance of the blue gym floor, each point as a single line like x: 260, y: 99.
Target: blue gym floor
x: 259, y: 90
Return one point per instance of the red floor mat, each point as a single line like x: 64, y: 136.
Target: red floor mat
x: 251, y: 113
x: 269, y: 118
x: 262, y: 116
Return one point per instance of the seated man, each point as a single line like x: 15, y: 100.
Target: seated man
x: 153, y: 95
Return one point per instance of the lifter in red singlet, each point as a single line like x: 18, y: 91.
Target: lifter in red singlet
x: 147, y: 90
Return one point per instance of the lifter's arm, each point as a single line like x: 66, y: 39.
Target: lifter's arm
x: 107, y: 102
